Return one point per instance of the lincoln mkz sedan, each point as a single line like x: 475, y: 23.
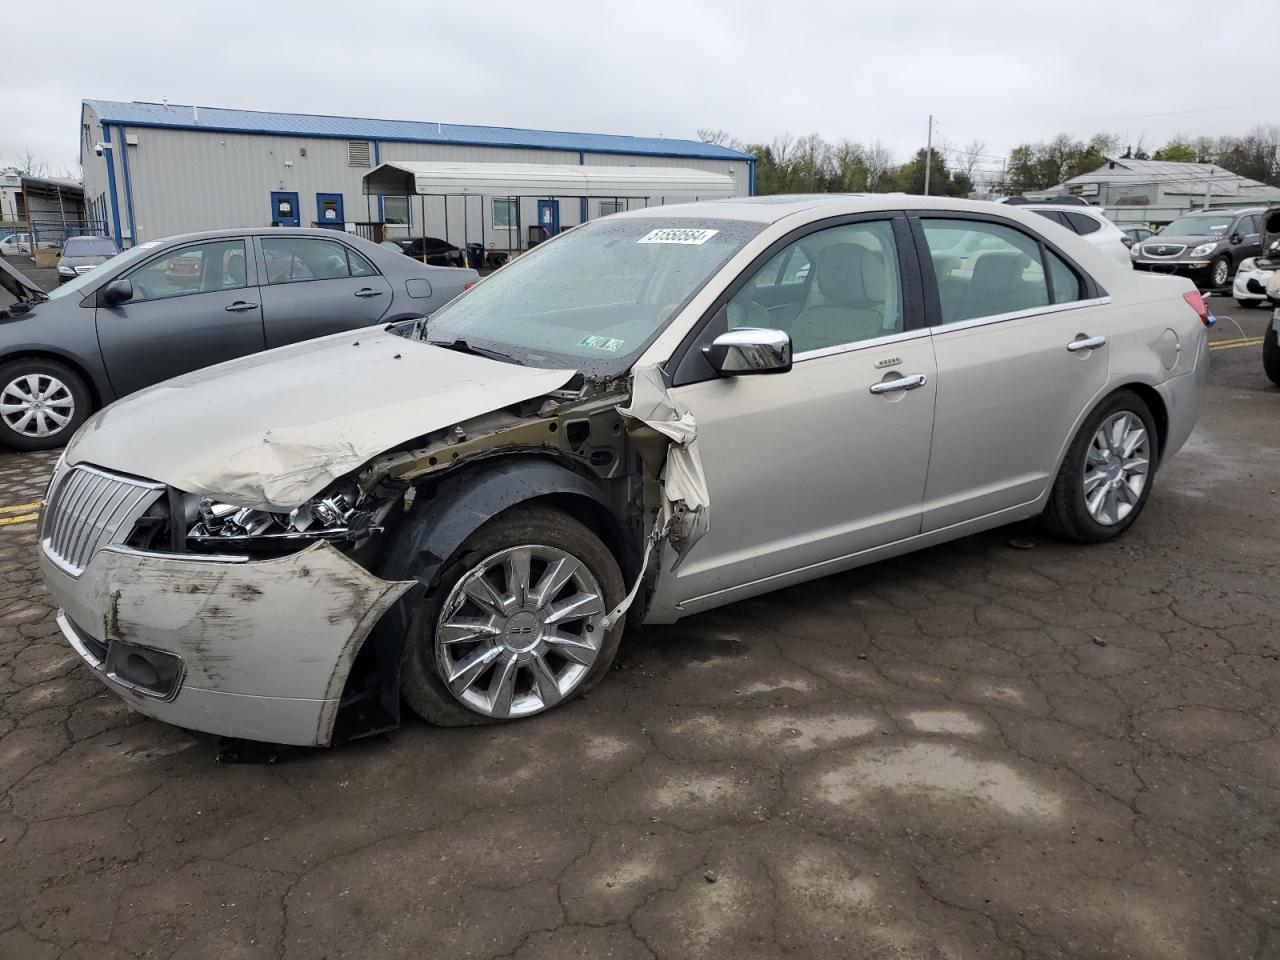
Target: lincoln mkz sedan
x: 649, y: 416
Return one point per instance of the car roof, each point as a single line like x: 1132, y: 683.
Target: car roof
x: 1240, y: 212
x: 323, y: 232
x: 1068, y: 208
x: 773, y: 208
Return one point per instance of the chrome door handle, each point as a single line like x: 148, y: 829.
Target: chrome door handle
x: 910, y: 382
x: 366, y: 293
x: 240, y: 307
x: 1086, y: 343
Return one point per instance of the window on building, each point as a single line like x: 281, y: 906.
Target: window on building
x: 505, y: 214
x: 611, y: 206
x: 395, y: 209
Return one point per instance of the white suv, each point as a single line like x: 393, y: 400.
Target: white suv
x: 1090, y: 224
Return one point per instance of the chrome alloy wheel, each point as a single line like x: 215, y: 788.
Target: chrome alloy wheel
x: 519, y: 631
x: 1221, y: 272
x: 1115, y: 468
x: 36, y: 405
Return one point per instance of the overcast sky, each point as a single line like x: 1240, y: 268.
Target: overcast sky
x: 997, y: 72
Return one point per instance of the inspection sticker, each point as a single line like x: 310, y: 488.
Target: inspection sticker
x: 611, y: 344
x: 678, y: 235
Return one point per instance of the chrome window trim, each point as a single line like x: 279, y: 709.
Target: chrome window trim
x: 1020, y: 314
x: 853, y: 345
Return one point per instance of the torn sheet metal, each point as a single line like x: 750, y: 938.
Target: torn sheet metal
x: 266, y: 645
x: 272, y: 430
x: 686, y: 505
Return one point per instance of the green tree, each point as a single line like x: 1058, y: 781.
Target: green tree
x: 1177, y: 152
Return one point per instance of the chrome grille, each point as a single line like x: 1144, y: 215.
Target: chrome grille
x: 91, y: 509
x: 1163, y: 249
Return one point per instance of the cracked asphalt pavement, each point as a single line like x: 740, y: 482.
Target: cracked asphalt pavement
x: 978, y: 751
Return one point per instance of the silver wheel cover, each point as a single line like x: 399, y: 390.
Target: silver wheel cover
x: 519, y: 631
x: 1220, y: 273
x: 36, y: 405
x: 1116, y: 466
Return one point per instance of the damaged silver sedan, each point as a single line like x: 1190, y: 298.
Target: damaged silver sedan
x: 651, y: 415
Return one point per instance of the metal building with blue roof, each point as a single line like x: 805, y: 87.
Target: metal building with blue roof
x: 156, y: 169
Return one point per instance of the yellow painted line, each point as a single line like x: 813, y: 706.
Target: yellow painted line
x: 24, y: 518
x: 21, y: 507
x: 1232, y: 344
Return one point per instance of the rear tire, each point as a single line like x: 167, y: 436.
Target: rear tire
x: 42, y: 403
x: 1097, y: 497
x: 523, y: 674
x: 1271, y: 353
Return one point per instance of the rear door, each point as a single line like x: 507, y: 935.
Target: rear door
x: 313, y: 287
x: 193, y: 306
x: 1021, y: 348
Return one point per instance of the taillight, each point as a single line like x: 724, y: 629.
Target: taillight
x: 1196, y: 303
x: 468, y: 285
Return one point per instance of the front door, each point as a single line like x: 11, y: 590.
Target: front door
x: 809, y: 467
x: 549, y: 216
x: 192, y: 306
x: 284, y: 210
x: 329, y: 210
x: 1019, y: 361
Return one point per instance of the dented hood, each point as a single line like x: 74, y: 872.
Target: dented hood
x: 274, y: 429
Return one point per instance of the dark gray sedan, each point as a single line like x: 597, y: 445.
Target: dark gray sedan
x: 169, y: 306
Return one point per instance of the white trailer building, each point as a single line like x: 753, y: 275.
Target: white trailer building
x: 153, y: 170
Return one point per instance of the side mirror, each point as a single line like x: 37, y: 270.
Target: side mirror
x: 117, y: 292
x: 748, y: 350
x: 1236, y: 238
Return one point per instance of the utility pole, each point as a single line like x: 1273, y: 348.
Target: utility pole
x: 928, y: 155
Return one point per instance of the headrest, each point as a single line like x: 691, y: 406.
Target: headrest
x: 999, y: 270
x: 850, y: 273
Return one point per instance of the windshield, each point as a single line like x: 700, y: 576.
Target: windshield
x: 1203, y: 226
x: 116, y: 263
x: 89, y: 247
x: 595, y: 297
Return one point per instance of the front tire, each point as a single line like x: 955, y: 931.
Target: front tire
x: 42, y: 403
x: 1248, y: 303
x: 1220, y: 272
x: 1271, y: 353
x: 515, y: 625
x: 1105, y: 478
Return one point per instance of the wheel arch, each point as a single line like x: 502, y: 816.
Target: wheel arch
x: 438, y: 527
x: 1159, y: 412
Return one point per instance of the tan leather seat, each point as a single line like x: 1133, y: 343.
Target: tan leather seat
x: 851, y: 280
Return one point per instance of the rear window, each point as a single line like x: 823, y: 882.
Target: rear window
x: 89, y: 247
x: 1081, y: 223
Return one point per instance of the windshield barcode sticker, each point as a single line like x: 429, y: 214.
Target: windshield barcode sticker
x: 678, y: 235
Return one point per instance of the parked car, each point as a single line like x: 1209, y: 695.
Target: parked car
x: 1090, y: 224
x: 1135, y: 234
x: 169, y: 306
x: 1250, y: 284
x: 440, y: 253
x: 1206, y: 246
x: 655, y: 414
x: 15, y: 244
x: 82, y: 254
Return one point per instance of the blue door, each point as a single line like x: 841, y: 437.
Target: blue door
x: 549, y: 216
x: 284, y: 209
x: 329, y: 210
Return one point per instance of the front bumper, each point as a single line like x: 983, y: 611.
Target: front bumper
x: 257, y: 649
x: 1240, y: 290
x: 1186, y: 268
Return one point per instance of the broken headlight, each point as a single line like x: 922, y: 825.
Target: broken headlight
x: 340, y: 513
